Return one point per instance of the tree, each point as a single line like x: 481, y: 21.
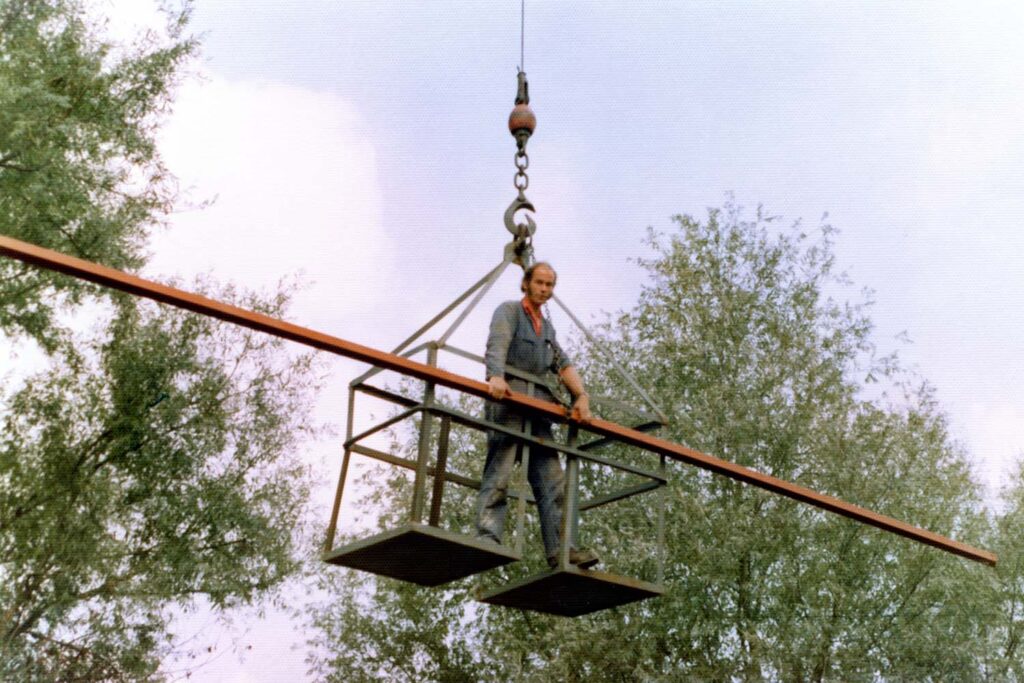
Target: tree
x: 155, y: 461
x: 739, y: 336
x: 156, y: 465
x: 1004, y: 597
x: 79, y: 167
x: 760, y: 366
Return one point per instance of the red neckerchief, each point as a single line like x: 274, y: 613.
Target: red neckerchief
x: 535, y: 317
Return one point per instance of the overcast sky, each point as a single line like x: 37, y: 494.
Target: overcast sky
x: 365, y: 144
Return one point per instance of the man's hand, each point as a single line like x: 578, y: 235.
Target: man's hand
x: 581, y: 409
x: 498, y: 387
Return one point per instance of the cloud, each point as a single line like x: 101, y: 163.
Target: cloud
x: 294, y: 187
x: 128, y: 19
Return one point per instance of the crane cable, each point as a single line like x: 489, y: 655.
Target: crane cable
x: 522, y: 36
x: 521, y: 123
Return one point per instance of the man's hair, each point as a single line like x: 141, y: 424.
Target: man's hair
x: 528, y: 273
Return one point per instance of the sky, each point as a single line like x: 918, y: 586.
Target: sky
x: 364, y: 145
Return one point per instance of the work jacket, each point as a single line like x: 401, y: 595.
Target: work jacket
x: 513, y: 342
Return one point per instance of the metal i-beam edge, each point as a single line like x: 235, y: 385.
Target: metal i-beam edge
x: 110, y: 277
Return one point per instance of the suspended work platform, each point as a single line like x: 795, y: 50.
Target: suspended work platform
x: 422, y: 554
x: 426, y: 553
x: 571, y: 592
x: 421, y: 550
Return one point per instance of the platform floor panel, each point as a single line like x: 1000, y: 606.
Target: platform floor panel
x: 571, y: 592
x: 422, y: 554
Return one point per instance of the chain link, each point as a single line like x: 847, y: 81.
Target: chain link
x: 521, y: 181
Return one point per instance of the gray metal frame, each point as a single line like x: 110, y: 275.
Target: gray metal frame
x: 431, y: 410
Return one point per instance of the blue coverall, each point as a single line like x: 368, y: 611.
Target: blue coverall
x: 513, y: 342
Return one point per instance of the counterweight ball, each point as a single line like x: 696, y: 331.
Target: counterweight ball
x: 522, y: 119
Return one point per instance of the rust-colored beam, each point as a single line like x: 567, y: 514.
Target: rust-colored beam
x: 116, y: 279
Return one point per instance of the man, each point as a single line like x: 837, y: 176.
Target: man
x: 522, y: 338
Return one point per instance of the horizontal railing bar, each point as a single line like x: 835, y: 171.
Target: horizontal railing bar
x: 395, y: 419
x: 475, y: 422
x: 467, y: 420
x: 411, y: 465
x: 472, y: 422
x: 598, y: 501
x: 595, y: 400
x: 515, y: 372
x: 386, y: 395
x: 384, y: 456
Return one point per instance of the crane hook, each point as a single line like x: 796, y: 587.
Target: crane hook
x: 520, y: 230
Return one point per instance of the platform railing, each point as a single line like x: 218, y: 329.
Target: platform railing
x: 427, y: 406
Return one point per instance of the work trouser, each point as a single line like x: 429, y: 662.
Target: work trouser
x: 544, y: 474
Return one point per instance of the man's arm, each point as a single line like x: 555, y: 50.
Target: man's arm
x: 498, y: 340
x: 574, y: 383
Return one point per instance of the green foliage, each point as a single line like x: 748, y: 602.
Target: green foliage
x: 79, y: 169
x: 155, y: 465
x: 154, y: 462
x: 398, y: 633
x: 1004, y: 596
x: 741, y: 337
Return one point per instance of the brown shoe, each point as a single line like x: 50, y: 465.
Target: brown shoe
x: 584, y: 559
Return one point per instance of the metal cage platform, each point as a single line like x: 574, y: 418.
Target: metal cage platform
x: 422, y: 554
x: 571, y: 592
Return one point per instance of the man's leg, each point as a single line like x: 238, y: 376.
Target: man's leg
x: 548, y: 483
x: 501, y: 454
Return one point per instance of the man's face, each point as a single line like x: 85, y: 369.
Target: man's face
x: 541, y: 286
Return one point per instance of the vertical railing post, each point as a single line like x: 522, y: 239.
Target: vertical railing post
x: 439, y: 469
x: 333, y: 524
x: 662, y: 495
x: 570, y: 505
x: 526, y: 424
x: 522, y: 487
x: 423, y: 449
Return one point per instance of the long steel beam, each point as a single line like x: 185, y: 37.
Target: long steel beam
x: 109, y: 277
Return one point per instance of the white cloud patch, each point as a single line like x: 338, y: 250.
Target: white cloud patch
x: 127, y: 19
x: 294, y: 185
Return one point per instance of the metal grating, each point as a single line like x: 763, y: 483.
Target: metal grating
x: 571, y: 592
x: 422, y: 554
